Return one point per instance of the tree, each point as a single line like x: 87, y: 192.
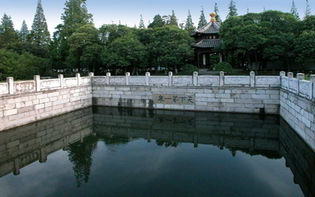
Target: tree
x: 84, y: 49
x: 126, y: 53
x: 141, y: 24
x: 173, y: 19
x: 189, y: 25
x: 308, y: 11
x: 40, y: 35
x: 294, y: 10
x: 157, y: 22
x: 305, y: 49
x: 8, y: 36
x: 24, y: 32
x: 202, y: 20
x: 75, y: 15
x: 20, y: 66
x: 170, y: 47
x: 216, y: 10
x: 232, y: 9
x: 264, y: 38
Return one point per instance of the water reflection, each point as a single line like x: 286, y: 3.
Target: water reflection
x: 81, y: 134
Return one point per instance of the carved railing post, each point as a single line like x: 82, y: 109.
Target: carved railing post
x: 108, y: 78
x: 170, y: 79
x: 290, y: 74
x: 252, y: 79
x: 60, y: 77
x: 282, y: 74
x: 10, y: 82
x: 195, y: 78
x: 127, y: 78
x: 91, y: 74
x: 221, y: 79
x: 147, y: 78
x: 300, y: 76
x: 78, y: 76
x: 37, y: 83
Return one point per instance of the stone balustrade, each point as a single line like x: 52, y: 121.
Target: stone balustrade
x: 194, y: 80
x: 37, y: 85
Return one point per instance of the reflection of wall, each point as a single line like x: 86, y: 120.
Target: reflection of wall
x: 242, y: 131
x: 299, y: 158
x: 24, y: 145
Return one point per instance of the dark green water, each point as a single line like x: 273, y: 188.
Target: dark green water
x: 124, y: 152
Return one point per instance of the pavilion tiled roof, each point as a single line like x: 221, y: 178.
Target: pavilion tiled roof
x: 210, y: 28
x: 207, y: 43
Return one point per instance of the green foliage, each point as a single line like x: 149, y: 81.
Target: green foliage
x: 40, y: 35
x: 8, y: 36
x: 157, y: 22
x: 170, y: 47
x: 24, y: 32
x: 232, y: 9
x: 173, y: 19
x: 305, y: 49
x: 189, y: 25
x: 216, y: 10
x: 294, y: 10
x: 260, y: 38
x: 223, y: 66
x: 125, y: 52
x: 75, y: 15
x: 202, y: 20
x: 141, y: 24
x: 308, y: 11
x: 84, y: 48
x: 188, y: 69
x: 20, y: 66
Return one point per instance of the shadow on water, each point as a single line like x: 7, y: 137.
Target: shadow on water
x: 79, y: 132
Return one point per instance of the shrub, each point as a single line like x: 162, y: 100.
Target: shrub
x: 223, y: 66
x: 188, y: 69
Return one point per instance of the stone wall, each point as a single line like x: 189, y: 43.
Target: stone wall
x: 242, y: 94
x: 28, y: 101
x: 297, y: 100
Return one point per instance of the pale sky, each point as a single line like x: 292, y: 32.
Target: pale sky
x: 128, y: 11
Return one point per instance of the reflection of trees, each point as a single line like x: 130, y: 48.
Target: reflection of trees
x: 80, y: 154
x: 113, y: 140
x: 160, y: 142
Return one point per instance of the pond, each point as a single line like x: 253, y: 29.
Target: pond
x: 103, y: 151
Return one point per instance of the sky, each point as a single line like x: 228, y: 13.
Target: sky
x: 128, y: 11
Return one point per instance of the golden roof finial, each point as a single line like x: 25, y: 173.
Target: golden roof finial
x: 213, y: 17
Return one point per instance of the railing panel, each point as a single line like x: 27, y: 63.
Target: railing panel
x: 294, y: 85
x: 267, y: 81
x: 50, y: 84
x: 4, y: 88
x: 70, y: 82
x: 237, y: 80
x: 182, y: 81
x: 305, y: 89
x: 24, y: 86
x: 209, y: 80
x: 121, y: 80
x: 159, y: 81
x: 137, y: 80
